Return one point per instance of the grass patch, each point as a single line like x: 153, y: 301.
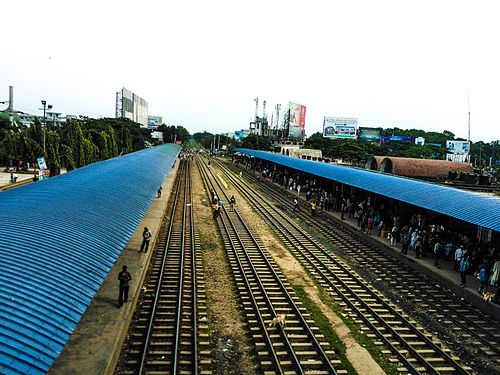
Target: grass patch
x: 322, y: 322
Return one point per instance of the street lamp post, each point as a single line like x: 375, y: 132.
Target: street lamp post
x: 49, y: 106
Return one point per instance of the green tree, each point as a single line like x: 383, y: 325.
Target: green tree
x: 254, y: 142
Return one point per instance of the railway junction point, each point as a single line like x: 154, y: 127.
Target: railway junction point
x: 86, y: 290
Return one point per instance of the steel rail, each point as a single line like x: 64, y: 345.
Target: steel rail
x: 247, y: 282
x: 287, y: 233
x: 278, y: 280
x: 155, y: 304
x: 484, y: 336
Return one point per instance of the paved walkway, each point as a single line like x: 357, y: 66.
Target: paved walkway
x: 95, y: 344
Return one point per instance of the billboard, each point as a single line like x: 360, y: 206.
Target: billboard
x: 154, y: 121
x: 458, y: 147
x: 297, y: 121
x: 340, y: 127
x: 402, y: 138
x: 420, y: 141
x: 456, y: 157
x: 369, y: 134
x: 157, y: 135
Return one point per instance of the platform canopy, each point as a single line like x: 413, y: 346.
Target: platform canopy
x: 59, y: 239
x: 474, y: 208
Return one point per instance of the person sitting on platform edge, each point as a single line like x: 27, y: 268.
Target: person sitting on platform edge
x: 146, y: 236
x: 124, y: 278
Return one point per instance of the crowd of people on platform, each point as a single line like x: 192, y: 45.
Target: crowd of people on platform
x: 420, y: 231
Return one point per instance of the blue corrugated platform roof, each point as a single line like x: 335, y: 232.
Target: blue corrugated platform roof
x: 58, y: 240
x: 479, y: 209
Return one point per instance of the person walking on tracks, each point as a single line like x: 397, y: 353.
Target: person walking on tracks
x: 124, y: 278
x: 313, y: 208
x: 146, y: 237
x: 232, y: 201
x: 216, y: 210
x: 295, y: 204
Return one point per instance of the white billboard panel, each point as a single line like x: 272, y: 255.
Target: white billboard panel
x: 456, y: 157
x: 340, y: 127
x: 458, y: 147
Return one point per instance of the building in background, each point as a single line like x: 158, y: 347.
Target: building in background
x: 340, y: 127
x: 154, y: 122
x: 131, y: 106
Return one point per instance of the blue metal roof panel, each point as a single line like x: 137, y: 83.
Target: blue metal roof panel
x: 58, y: 240
x: 478, y: 209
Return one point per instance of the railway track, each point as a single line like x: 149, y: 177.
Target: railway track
x: 168, y: 333
x: 414, y: 350
x: 296, y: 348
x: 478, y: 333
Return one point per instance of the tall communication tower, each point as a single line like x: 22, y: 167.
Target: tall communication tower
x: 256, y: 100
x: 277, y: 107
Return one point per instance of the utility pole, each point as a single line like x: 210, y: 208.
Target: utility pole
x: 11, y: 105
x: 49, y: 106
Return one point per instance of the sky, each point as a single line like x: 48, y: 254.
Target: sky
x: 200, y: 64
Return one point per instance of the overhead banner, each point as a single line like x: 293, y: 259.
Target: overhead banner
x: 458, y: 147
x: 297, y: 122
x: 369, y: 134
x: 340, y: 127
x: 402, y: 138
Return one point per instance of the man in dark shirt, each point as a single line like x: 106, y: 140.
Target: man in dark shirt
x: 124, y: 277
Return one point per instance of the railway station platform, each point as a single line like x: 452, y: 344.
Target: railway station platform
x: 446, y: 276
x: 95, y: 344
x: 444, y: 201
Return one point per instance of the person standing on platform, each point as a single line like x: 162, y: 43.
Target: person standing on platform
x: 495, y: 271
x: 232, y: 201
x: 369, y: 225
x: 483, y: 279
x: 464, y: 266
x: 124, y: 278
x: 394, y: 235
x: 458, y: 258
x: 146, y: 237
x: 418, y: 244
x: 342, y: 210
x: 159, y: 192
x: 437, y: 251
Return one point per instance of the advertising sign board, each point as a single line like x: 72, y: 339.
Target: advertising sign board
x: 43, y: 174
x: 41, y: 163
x: 157, y: 135
x: 420, y: 141
x: 154, y: 121
x: 458, y: 147
x: 339, y: 127
x: 297, y: 121
x: 456, y: 157
x: 369, y: 134
x: 403, y: 138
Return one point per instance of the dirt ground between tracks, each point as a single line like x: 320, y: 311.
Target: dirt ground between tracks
x: 356, y: 354
x: 230, y: 345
